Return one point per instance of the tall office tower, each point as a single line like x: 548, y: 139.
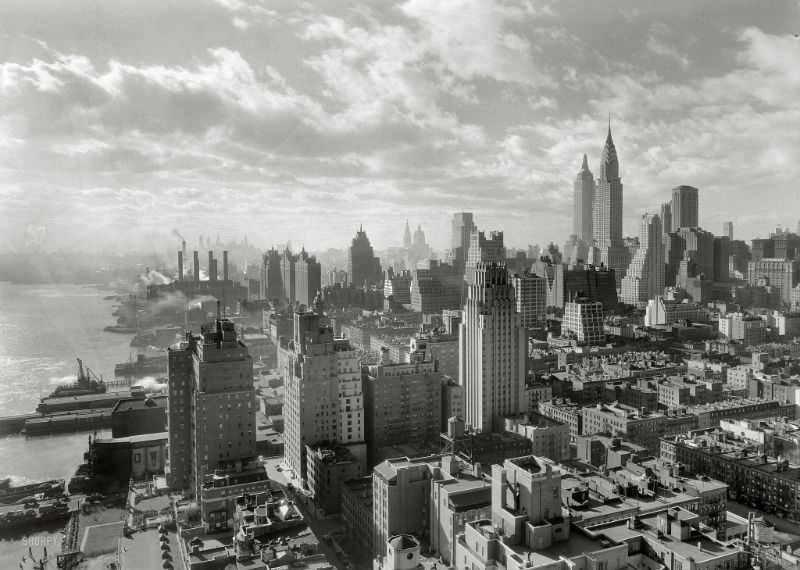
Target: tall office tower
x: 324, y: 399
x: 722, y: 256
x: 271, y: 278
x: 727, y: 230
x: 407, y: 236
x: 483, y: 250
x: 608, y: 211
x: 462, y: 228
x: 645, y: 277
x: 288, y: 277
x: 307, y: 278
x: 530, y: 292
x: 363, y: 268
x: 583, y: 201
x: 420, y: 247
x: 583, y: 320
x: 492, y: 350
x: 684, y: 208
x: 212, y: 416
x: 665, y: 214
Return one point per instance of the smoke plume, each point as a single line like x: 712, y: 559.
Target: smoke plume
x: 154, y: 278
x: 177, y: 234
x: 150, y: 385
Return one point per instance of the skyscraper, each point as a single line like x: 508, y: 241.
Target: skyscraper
x: 462, y: 228
x: 363, y: 268
x: 483, y: 250
x: 727, y: 230
x: 530, y: 292
x: 645, y: 277
x: 307, y: 278
x: 288, y: 276
x: 324, y: 392
x: 407, y: 236
x: 212, y: 416
x: 666, y: 217
x: 583, y: 201
x: 271, y: 279
x: 492, y: 350
x: 608, y: 211
x: 684, y: 208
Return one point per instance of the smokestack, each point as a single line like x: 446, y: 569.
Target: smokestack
x: 225, y: 265
x: 196, y: 265
x: 180, y: 266
x: 211, y: 274
x: 183, y: 249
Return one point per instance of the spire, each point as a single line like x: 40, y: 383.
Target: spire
x: 585, y: 165
x: 609, y: 164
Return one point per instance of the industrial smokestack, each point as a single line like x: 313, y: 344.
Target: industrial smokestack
x: 183, y: 249
x: 196, y: 265
x: 225, y: 265
x: 211, y: 272
x: 180, y: 266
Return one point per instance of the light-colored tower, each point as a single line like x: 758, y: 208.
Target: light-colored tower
x: 492, y: 350
x: 685, y: 205
x: 530, y: 291
x: 608, y: 211
x: 727, y: 230
x: 483, y: 250
x: 407, y: 236
x: 324, y: 399
x: 645, y: 277
x: 583, y: 201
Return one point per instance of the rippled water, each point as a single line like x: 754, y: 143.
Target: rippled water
x: 43, y: 329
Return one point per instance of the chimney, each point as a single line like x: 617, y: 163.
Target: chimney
x: 180, y: 265
x: 225, y: 265
x: 196, y: 265
x: 212, y: 276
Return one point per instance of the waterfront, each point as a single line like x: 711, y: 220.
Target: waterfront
x: 45, y: 328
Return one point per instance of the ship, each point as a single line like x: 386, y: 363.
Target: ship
x: 10, y: 493
x: 142, y: 366
x: 86, y: 383
x: 34, y: 513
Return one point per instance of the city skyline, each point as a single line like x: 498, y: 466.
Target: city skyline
x: 304, y: 122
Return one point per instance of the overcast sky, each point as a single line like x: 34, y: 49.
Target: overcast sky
x: 120, y: 121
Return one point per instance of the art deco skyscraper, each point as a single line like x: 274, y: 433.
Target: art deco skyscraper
x: 608, y: 211
x: 684, y: 208
x: 583, y: 202
x: 492, y: 350
x: 645, y: 278
x: 363, y: 268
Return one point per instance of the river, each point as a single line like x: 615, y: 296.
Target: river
x: 43, y: 330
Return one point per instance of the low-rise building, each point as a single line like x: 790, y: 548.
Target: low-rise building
x: 328, y: 468
x: 549, y: 438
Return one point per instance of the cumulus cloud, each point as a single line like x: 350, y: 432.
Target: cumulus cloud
x: 281, y: 114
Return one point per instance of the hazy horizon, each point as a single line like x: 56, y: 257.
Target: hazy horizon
x: 301, y: 121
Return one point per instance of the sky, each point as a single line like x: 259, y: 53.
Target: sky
x: 290, y: 120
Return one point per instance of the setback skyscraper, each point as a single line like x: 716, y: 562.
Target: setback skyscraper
x: 363, y: 268
x: 583, y: 203
x: 645, y: 277
x: 492, y: 350
x: 608, y: 211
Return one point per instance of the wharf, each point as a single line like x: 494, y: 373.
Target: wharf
x: 63, y: 422
x: 14, y: 424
